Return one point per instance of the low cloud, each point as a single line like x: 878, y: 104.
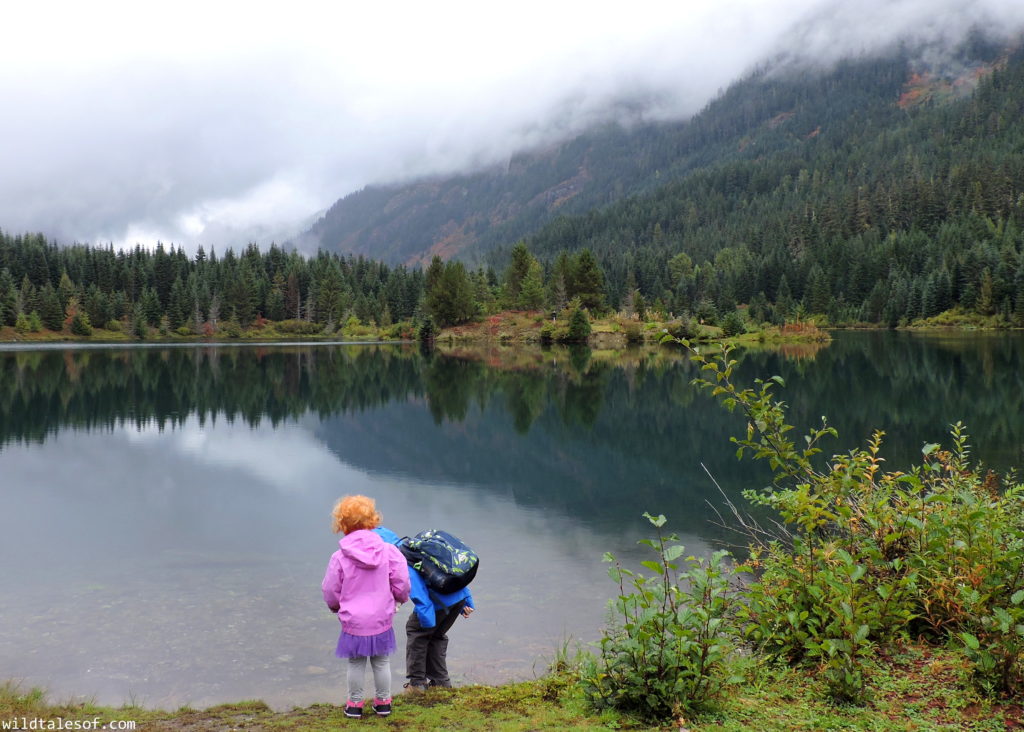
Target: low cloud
x: 220, y: 125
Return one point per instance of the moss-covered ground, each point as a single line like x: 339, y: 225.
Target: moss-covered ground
x: 913, y: 687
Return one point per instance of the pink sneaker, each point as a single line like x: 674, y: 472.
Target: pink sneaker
x: 354, y: 709
x: 382, y: 707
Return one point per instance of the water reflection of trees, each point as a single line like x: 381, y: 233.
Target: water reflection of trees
x: 572, y: 433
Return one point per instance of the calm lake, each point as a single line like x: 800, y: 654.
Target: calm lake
x: 166, y: 511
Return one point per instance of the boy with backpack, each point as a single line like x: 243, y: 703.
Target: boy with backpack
x: 426, y: 631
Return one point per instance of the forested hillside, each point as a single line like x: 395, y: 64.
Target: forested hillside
x: 465, y: 214
x: 903, y: 206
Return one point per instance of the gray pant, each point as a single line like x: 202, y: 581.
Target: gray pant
x: 381, y: 666
x: 426, y: 649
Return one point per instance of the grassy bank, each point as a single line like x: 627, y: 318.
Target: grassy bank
x: 615, y: 331
x: 288, y: 330
x: 914, y: 688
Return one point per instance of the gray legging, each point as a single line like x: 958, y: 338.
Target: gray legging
x: 381, y: 666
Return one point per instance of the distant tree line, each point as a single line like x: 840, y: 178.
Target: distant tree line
x: 856, y: 209
x: 78, y: 287
x: 43, y: 284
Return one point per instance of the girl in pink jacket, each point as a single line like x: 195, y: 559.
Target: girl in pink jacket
x: 364, y: 580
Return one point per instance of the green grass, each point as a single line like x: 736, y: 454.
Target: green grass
x: 912, y: 687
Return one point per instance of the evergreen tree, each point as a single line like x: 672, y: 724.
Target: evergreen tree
x: 450, y: 298
x: 783, y: 302
x: 276, y: 300
x: 558, y: 297
x: 179, y: 308
x: 28, y: 295
x: 65, y: 290
x: 531, y: 291
x: 50, y: 311
x: 97, y: 305
x: 8, y: 299
x: 588, y: 282
x: 579, y: 326
x: 148, y: 309
x: 986, y: 302
x: 517, y: 272
x: 818, y: 291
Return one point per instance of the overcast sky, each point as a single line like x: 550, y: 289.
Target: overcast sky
x: 216, y: 123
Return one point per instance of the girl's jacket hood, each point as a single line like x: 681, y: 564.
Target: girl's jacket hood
x: 363, y: 581
x: 364, y: 548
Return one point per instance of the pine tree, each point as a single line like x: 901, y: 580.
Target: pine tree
x: 179, y: 308
x: 985, y: 302
x: 531, y: 291
x: 518, y: 270
x: 450, y: 298
x: 50, y: 311
x: 8, y: 298
x: 588, y: 281
x: 818, y: 291
x: 579, y: 326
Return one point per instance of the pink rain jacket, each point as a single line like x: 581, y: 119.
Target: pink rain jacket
x: 364, y: 579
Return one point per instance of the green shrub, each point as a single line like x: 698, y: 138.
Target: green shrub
x: 683, y: 328
x: 184, y: 331
x: 25, y: 324
x: 80, y: 324
x: 231, y: 328
x: 634, y: 332
x: 298, y: 327
x: 547, y: 333
x: 114, y: 325
x: 863, y: 556
x: 427, y: 331
x: 666, y: 650
x: 579, y: 326
x: 733, y: 325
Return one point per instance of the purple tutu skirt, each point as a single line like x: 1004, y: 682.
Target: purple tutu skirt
x: 354, y: 646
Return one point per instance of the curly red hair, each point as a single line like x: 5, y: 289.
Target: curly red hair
x: 352, y: 513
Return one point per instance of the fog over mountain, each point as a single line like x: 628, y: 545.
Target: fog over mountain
x: 220, y: 124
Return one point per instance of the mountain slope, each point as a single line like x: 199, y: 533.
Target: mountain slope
x: 771, y: 113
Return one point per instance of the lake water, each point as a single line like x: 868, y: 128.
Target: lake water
x: 166, y: 511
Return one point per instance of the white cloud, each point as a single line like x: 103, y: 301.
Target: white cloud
x: 219, y: 122
x: 288, y: 460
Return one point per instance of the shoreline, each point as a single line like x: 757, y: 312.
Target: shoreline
x: 913, y: 686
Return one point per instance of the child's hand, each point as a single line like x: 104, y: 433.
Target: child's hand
x: 466, y: 611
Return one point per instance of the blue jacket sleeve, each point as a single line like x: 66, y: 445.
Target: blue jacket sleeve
x: 446, y: 601
x: 421, y: 600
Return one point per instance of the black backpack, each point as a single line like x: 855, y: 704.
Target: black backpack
x: 445, y: 561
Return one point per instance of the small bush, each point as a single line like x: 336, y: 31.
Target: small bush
x: 427, y: 331
x: 667, y: 649
x: 26, y: 324
x: 231, y: 328
x: 80, y: 324
x: 184, y: 331
x: 114, y: 325
x: 579, y: 326
x: 547, y: 333
x: 733, y: 324
x: 634, y: 332
x: 298, y: 327
x: 683, y: 328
